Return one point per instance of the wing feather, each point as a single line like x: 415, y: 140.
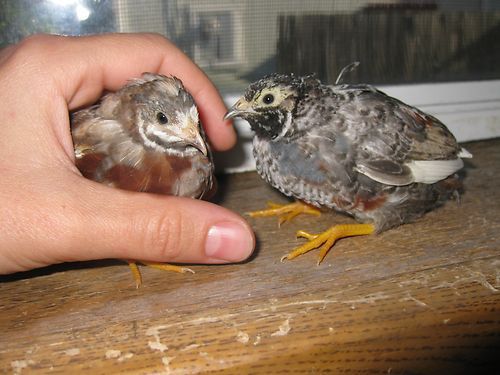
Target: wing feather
x: 397, y: 144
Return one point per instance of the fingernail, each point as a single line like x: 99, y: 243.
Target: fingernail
x: 229, y: 241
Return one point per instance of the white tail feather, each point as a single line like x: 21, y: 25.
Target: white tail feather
x: 464, y: 154
x: 432, y: 171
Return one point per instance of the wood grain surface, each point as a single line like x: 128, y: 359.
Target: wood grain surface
x: 420, y: 299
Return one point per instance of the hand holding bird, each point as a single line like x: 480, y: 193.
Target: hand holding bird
x: 50, y: 213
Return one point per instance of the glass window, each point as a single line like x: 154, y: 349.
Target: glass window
x: 235, y: 42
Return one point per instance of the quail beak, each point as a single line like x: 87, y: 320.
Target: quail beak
x: 191, y: 136
x: 239, y: 108
x: 194, y: 138
x: 199, y: 143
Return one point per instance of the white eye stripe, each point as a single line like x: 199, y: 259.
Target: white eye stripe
x: 147, y: 141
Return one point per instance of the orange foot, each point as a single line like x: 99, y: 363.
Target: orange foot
x: 286, y: 212
x: 161, y: 266
x: 324, y: 241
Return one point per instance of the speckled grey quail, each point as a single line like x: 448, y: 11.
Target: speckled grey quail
x: 145, y: 137
x: 350, y: 148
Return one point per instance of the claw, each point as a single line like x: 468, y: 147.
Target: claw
x: 285, y: 212
x: 136, y: 274
x: 158, y: 265
x: 325, y: 241
x: 306, y: 235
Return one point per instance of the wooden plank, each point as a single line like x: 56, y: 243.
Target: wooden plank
x: 422, y: 298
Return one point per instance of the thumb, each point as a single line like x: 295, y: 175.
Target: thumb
x: 120, y: 224
x: 85, y: 220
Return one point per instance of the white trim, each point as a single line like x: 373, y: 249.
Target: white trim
x: 471, y: 110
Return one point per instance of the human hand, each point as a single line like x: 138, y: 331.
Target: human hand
x: 50, y: 213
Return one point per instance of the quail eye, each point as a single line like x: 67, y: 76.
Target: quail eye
x: 162, y: 118
x: 268, y: 99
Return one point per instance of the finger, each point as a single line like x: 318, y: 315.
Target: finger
x: 82, y: 76
x: 165, y: 229
x: 5, y: 53
x: 99, y: 222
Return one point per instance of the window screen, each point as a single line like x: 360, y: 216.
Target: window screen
x: 235, y: 42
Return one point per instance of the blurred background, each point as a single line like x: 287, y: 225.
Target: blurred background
x: 235, y: 42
